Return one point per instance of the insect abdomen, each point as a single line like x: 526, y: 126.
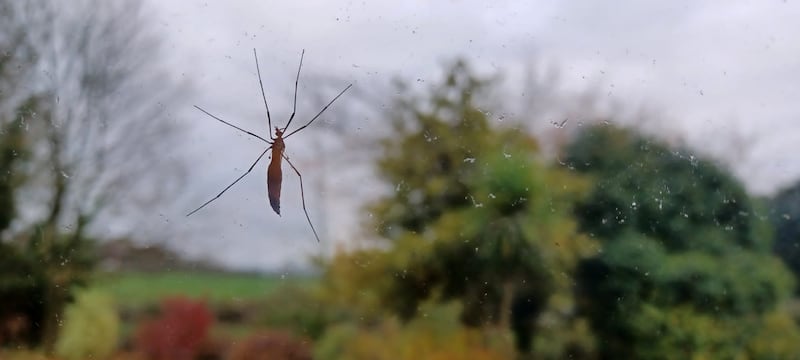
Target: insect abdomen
x: 274, y: 178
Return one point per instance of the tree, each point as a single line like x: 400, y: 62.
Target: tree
x: 19, y: 279
x: 669, y: 194
x: 786, y: 219
x: 96, y: 126
x: 103, y: 123
x: 685, y: 267
x: 14, y: 149
x: 474, y: 216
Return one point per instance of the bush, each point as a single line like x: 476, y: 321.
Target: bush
x: 180, y: 331
x: 777, y: 337
x: 22, y: 355
x: 271, y: 346
x: 20, y: 281
x: 436, y: 334
x: 91, y: 327
x: 300, y: 311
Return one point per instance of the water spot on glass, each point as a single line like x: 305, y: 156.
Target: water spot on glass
x: 475, y: 203
x: 560, y: 125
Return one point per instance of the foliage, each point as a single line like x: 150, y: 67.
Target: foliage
x: 179, y: 332
x: 437, y: 334
x: 42, y: 265
x: 685, y: 267
x: 22, y: 355
x: 64, y: 262
x: 61, y: 72
x: 91, y: 327
x: 356, y: 283
x: 777, y: 337
x: 299, y: 310
x: 271, y: 345
x: 786, y: 219
x: 475, y: 216
x: 562, y: 339
x: 14, y: 149
x: 681, y: 199
x: 20, y: 281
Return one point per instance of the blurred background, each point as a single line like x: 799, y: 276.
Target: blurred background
x: 514, y: 180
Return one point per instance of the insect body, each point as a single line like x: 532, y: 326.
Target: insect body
x: 274, y: 173
x: 276, y: 144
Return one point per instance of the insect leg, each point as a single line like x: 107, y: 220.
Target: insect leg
x: 319, y: 113
x: 233, y: 183
x: 296, y: 80
x: 302, y: 196
x: 263, y: 95
x: 233, y: 126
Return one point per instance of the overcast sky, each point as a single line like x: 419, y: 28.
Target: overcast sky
x: 714, y: 72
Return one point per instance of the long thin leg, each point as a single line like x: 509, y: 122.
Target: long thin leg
x: 233, y: 126
x: 319, y: 113
x: 233, y: 183
x: 296, y: 80
x: 263, y: 95
x: 302, y: 196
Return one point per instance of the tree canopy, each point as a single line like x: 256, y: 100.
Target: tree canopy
x: 475, y: 214
x: 683, y: 244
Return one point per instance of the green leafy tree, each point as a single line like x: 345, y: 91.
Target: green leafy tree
x: 641, y: 185
x: 786, y: 219
x: 475, y: 216
x: 686, y: 266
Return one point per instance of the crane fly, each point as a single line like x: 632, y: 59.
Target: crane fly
x: 277, y: 145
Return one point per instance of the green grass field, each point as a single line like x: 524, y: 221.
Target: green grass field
x: 135, y: 290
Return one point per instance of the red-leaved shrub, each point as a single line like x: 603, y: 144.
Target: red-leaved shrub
x: 178, y: 333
